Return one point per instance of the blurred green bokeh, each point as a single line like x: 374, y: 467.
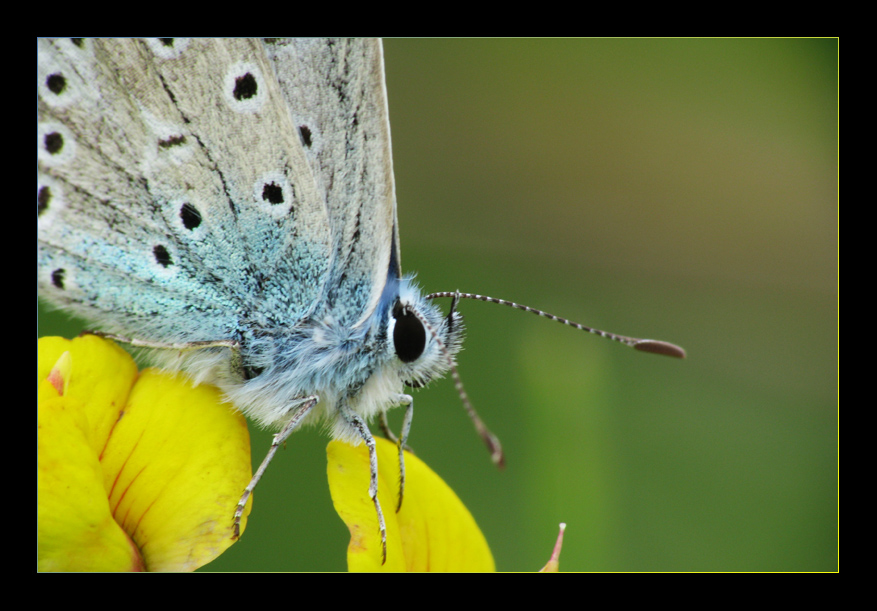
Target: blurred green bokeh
x: 684, y: 190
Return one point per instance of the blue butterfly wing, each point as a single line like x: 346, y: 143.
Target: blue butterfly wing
x: 336, y: 93
x: 175, y: 198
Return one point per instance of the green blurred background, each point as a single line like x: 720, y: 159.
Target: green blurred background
x: 684, y: 190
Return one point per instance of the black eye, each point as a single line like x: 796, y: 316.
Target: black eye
x: 409, y: 336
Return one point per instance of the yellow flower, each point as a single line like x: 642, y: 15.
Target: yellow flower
x: 433, y: 531
x: 134, y: 471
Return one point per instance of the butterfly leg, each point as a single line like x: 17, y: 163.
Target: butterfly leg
x: 385, y: 428
x: 359, y: 424
x: 388, y: 433
x: 402, y: 443
x: 234, y: 345
x: 231, y: 344
x: 298, y: 413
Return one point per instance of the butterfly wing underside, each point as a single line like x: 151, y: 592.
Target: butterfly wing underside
x: 188, y: 187
x: 336, y: 92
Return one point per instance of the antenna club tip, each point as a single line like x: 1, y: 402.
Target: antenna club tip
x: 493, y: 445
x: 658, y: 347
x: 496, y: 453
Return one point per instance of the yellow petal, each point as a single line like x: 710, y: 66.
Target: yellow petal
x: 169, y: 460
x: 180, y: 459
x: 75, y: 528
x: 432, y: 532
x: 102, y: 375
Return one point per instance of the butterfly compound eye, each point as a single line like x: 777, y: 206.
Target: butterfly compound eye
x: 409, y: 336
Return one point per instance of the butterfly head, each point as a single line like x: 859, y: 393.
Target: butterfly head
x: 422, y: 338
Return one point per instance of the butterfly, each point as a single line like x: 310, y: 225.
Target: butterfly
x: 233, y: 200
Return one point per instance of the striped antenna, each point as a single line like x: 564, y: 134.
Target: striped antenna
x: 645, y: 345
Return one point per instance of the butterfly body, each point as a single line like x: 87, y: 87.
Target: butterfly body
x: 230, y: 203
x: 235, y: 190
